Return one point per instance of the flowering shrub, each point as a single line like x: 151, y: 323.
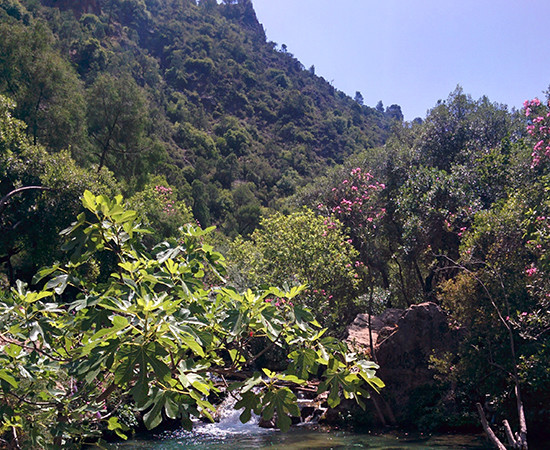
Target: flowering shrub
x: 161, y: 210
x: 538, y: 128
x: 354, y: 203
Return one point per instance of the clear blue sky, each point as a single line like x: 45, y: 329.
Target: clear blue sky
x: 414, y: 52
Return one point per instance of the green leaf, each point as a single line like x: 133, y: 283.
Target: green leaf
x: 125, y: 370
x: 4, y: 375
x: 303, y: 317
x: 283, y: 401
x: 89, y: 201
x: 119, y: 323
x: 250, y: 402
x: 292, y: 379
x: 246, y: 415
x: 114, y: 425
x: 140, y: 391
x: 283, y: 422
x: 36, y: 331
x: 236, y: 356
x: 44, y: 272
x: 161, y: 370
x: 171, y: 408
x: 304, y: 362
x: 270, y: 321
x: 153, y: 417
x: 193, y: 345
x: 13, y: 350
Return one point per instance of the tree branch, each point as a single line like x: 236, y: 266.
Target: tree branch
x: 490, y: 433
x: 5, y: 198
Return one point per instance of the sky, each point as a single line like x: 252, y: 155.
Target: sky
x: 415, y: 52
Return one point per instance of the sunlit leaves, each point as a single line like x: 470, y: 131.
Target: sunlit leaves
x: 157, y: 336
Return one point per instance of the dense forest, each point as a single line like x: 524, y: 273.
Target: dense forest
x: 142, y: 139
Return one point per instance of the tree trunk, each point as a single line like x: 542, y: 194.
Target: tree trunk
x: 490, y: 433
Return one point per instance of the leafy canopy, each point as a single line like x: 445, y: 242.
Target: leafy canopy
x: 161, y: 335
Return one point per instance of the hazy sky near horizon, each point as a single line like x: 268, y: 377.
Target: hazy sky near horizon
x: 414, y: 52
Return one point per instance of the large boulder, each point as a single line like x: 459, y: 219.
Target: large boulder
x: 358, y: 331
x: 404, y: 340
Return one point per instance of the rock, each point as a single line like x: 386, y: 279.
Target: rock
x: 404, y: 342
x: 263, y: 423
x: 358, y: 331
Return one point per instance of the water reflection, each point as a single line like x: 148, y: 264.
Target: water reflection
x: 211, y: 437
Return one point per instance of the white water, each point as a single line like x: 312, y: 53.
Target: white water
x: 229, y: 423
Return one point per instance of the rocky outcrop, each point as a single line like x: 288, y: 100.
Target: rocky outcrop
x: 358, y: 331
x: 404, y: 340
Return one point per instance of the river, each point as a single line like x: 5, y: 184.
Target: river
x: 230, y: 434
x: 303, y: 438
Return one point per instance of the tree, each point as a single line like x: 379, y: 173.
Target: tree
x: 394, y: 113
x: 303, y: 247
x: 434, y: 210
x: 116, y: 121
x: 486, y: 298
x: 359, y: 98
x: 155, y: 338
x: 46, y: 89
x: 31, y: 220
x: 460, y: 127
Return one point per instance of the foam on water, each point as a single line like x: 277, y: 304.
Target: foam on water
x: 228, y: 427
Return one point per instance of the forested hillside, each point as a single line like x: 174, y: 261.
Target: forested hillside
x: 184, y: 109
x: 192, y: 92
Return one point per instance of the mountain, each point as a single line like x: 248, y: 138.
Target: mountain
x: 193, y: 92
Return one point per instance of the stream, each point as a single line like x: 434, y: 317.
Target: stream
x: 230, y: 434
x: 301, y: 438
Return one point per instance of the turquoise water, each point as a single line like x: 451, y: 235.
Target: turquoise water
x: 213, y: 437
